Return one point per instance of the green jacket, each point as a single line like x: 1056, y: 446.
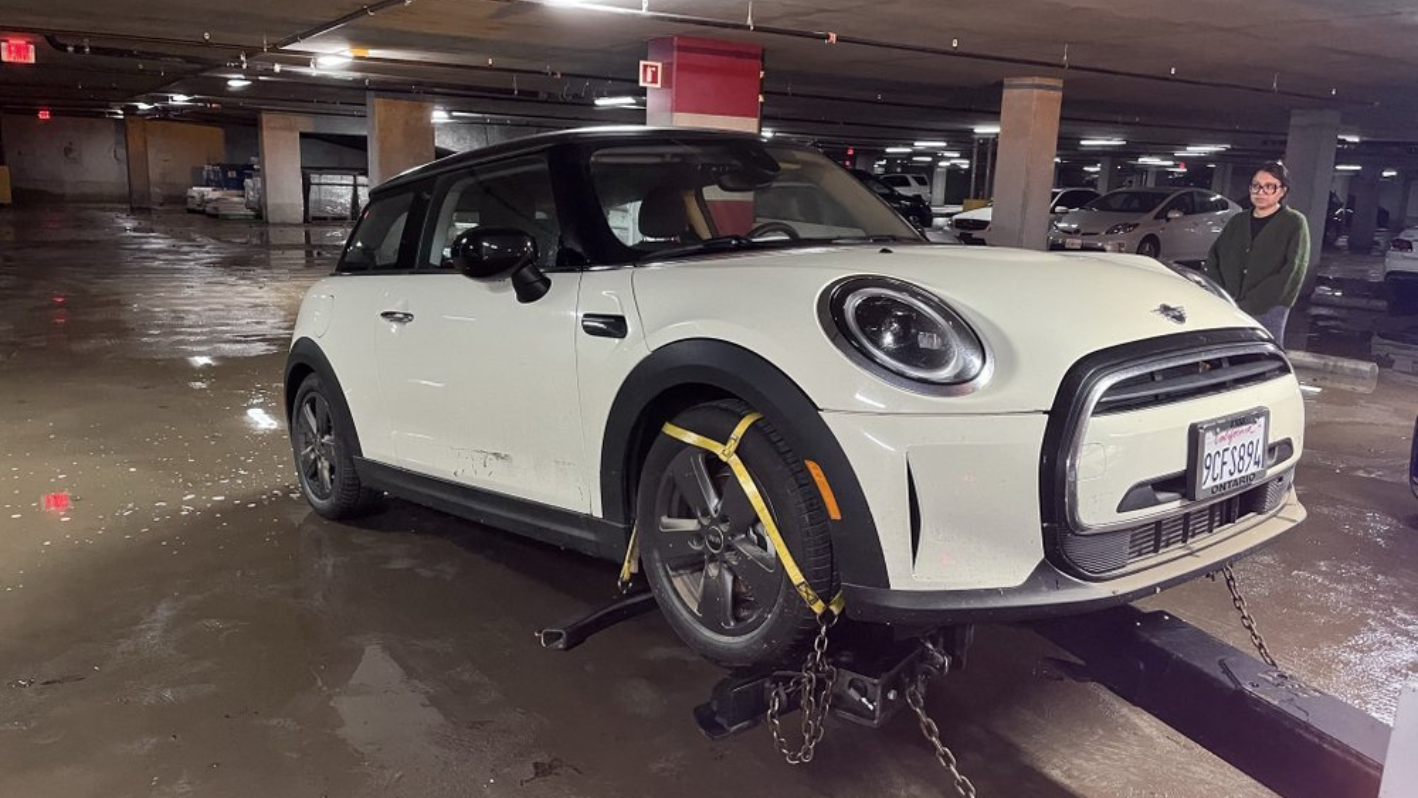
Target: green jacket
x: 1267, y: 272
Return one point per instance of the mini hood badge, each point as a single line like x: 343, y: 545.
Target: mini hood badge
x: 1172, y: 313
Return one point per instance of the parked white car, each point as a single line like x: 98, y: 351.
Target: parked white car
x: 788, y: 398
x: 908, y: 183
x: 1401, y: 272
x: 973, y: 227
x: 1165, y: 223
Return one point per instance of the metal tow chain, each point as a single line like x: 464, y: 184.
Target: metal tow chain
x: 1247, y: 621
x: 815, y: 702
x: 936, y: 664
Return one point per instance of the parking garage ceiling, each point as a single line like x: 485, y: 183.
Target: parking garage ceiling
x: 1157, y: 73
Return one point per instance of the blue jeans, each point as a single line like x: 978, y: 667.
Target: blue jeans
x: 1274, y: 320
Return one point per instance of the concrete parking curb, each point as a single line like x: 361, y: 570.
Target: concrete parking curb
x: 1342, y: 371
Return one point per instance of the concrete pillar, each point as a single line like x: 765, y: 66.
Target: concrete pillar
x: 1309, y: 157
x: 705, y: 83
x: 938, y: 180
x: 1106, y: 174
x: 1221, y: 178
x: 1149, y: 177
x: 1398, y: 220
x: 400, y: 136
x: 282, y: 191
x: 140, y: 181
x: 864, y: 161
x: 1028, y: 143
x: 1365, y: 185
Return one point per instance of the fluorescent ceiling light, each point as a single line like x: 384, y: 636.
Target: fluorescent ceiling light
x: 1390, y: 173
x: 960, y: 162
x: 923, y: 158
x: 440, y: 115
x: 986, y: 130
x: 143, y: 106
x: 898, y: 149
x: 1348, y: 167
x: 1102, y: 142
x: 768, y: 132
x: 238, y: 83
x: 1092, y: 168
x: 467, y: 115
x: 1208, y: 147
x: 626, y: 99
x: 181, y: 98
x: 1149, y: 160
x: 1178, y: 169
x: 930, y: 144
x: 333, y: 59
x: 948, y: 154
x: 1349, y: 138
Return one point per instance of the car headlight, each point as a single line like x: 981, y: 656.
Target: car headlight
x: 903, y: 333
x: 1120, y: 229
x: 1197, y: 278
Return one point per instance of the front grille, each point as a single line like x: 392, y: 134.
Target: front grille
x: 1198, y: 378
x: 969, y: 224
x: 1110, y: 553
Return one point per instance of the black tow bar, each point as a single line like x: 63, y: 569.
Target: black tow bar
x: 573, y: 631
x: 1291, y: 738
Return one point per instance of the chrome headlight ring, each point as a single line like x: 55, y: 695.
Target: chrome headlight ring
x: 904, y: 335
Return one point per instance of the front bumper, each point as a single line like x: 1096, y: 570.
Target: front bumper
x: 1049, y: 592
x: 1090, y: 243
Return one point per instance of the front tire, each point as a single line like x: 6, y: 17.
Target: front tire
x: 320, y: 440
x: 715, y: 573
x: 1149, y: 247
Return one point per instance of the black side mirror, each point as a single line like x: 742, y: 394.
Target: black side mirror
x: 486, y: 252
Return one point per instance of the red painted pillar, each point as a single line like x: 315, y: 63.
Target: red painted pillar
x: 705, y: 83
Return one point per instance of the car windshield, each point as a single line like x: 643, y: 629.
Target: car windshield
x: 1128, y: 201
x: 685, y: 197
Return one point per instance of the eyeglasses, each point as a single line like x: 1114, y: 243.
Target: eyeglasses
x: 1264, y: 188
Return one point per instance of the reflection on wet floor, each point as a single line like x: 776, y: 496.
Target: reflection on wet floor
x: 177, y: 622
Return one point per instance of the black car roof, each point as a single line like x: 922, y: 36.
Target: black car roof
x: 542, y: 141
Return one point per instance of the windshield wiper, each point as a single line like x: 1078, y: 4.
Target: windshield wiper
x: 719, y: 244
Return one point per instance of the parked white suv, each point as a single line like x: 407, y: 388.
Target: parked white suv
x: 733, y: 348
x: 912, y: 185
x: 1165, y: 223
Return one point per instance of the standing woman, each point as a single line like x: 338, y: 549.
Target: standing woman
x: 1261, y: 257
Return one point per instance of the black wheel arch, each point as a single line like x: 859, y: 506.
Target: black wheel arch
x: 307, y: 358
x: 679, y: 375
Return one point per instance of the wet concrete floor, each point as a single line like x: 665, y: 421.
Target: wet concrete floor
x: 184, y: 625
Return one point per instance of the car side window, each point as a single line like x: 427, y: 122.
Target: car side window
x: 1075, y: 199
x: 1181, y: 202
x: 1217, y: 204
x: 377, y: 238
x: 514, y: 195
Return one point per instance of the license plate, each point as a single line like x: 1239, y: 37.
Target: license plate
x: 1227, y: 454
x: 1073, y: 243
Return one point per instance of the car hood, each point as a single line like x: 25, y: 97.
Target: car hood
x: 1094, y: 221
x: 1038, y: 314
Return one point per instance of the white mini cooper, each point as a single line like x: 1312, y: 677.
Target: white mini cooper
x: 560, y: 335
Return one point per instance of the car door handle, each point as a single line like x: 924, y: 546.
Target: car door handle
x: 397, y: 316
x: 604, y: 325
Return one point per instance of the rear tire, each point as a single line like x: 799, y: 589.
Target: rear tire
x: 714, y: 572
x: 320, y: 439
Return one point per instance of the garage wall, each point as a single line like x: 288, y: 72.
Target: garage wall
x: 70, y: 159
x: 176, y: 154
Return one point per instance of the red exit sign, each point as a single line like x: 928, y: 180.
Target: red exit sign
x: 13, y: 51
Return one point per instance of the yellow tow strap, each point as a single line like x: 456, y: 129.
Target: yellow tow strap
x: 727, y: 452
